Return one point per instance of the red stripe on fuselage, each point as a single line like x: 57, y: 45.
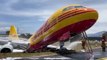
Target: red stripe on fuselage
x: 60, y: 18
x: 73, y: 28
x: 75, y: 12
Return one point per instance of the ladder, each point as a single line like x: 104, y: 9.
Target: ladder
x: 85, y: 37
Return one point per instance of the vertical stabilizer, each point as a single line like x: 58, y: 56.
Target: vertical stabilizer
x: 13, y: 33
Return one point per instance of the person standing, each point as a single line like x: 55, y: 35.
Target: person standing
x: 83, y: 44
x: 103, y: 45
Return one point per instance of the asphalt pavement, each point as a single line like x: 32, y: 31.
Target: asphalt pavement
x: 97, y: 54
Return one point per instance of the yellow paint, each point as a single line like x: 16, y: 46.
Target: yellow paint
x: 64, y: 23
x: 13, y: 33
x: 55, y: 15
x: 59, y: 12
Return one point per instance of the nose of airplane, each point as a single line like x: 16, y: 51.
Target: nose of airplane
x: 89, y: 12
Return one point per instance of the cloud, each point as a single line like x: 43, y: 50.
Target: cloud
x: 85, y: 2
x: 99, y: 26
x: 37, y: 8
x: 26, y: 14
x: 4, y: 28
x: 3, y: 23
x: 8, y: 10
x: 35, y: 12
x: 36, y: 5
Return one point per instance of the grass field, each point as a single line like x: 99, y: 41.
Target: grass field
x: 4, y: 55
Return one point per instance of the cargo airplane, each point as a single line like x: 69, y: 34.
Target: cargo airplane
x: 12, y: 42
x: 66, y: 22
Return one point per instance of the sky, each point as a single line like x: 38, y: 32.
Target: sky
x: 29, y: 15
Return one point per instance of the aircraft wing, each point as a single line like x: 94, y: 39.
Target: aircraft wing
x: 68, y: 45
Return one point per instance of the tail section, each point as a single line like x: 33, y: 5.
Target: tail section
x: 13, y: 33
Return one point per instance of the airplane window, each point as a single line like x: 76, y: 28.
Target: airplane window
x: 71, y: 7
x: 68, y: 8
x: 79, y: 7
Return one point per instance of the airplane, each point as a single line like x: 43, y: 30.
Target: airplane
x: 12, y: 42
x: 66, y: 22
x: 12, y: 35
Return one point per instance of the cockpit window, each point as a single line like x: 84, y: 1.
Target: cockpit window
x: 71, y: 7
x: 79, y: 7
x: 68, y: 8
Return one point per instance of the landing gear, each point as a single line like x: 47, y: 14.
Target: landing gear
x: 85, y: 38
x: 61, y: 44
x: 62, y: 50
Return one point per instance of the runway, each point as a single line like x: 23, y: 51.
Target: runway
x: 97, y: 54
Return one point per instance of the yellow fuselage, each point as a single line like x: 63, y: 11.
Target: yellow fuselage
x: 74, y: 19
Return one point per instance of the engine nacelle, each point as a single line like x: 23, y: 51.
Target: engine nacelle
x: 6, y: 48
